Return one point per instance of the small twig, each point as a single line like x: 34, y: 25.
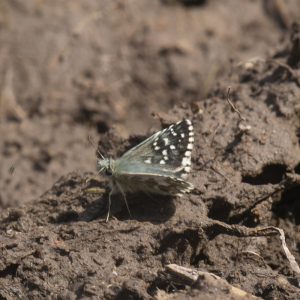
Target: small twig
x: 291, y: 258
x: 284, y: 66
x: 183, y: 275
x: 242, y: 231
x: 266, y: 197
x: 209, y: 164
x: 290, y: 181
x: 220, y: 173
x: 233, y: 106
x: 209, y: 161
x: 289, y: 69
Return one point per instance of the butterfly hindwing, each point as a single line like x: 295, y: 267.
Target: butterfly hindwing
x: 154, y: 184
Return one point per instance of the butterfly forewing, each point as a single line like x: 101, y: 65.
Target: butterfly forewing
x: 167, y: 153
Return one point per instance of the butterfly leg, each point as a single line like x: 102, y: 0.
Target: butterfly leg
x: 113, y: 191
x: 124, y: 196
x: 109, y: 205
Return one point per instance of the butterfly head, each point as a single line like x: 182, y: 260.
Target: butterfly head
x: 106, y: 166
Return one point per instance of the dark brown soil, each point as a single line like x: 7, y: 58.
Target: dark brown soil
x: 114, y: 72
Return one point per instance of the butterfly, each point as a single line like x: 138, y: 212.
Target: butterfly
x: 158, y: 165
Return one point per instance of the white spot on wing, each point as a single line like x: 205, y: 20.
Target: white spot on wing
x: 162, y: 162
x: 187, y: 169
x: 156, y: 148
x: 172, y: 147
x: 186, y: 161
x: 165, y: 152
x: 148, y: 160
x: 188, y: 153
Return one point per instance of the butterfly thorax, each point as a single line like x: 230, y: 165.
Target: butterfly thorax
x: 106, y: 166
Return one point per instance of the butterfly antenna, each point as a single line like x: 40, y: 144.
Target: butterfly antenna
x: 100, y: 171
x: 100, y: 154
x: 92, y: 142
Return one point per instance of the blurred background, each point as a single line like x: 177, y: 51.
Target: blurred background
x: 74, y: 69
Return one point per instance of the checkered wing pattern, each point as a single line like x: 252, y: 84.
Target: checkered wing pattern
x: 161, y: 163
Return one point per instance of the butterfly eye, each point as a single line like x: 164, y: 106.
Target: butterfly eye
x: 108, y: 172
